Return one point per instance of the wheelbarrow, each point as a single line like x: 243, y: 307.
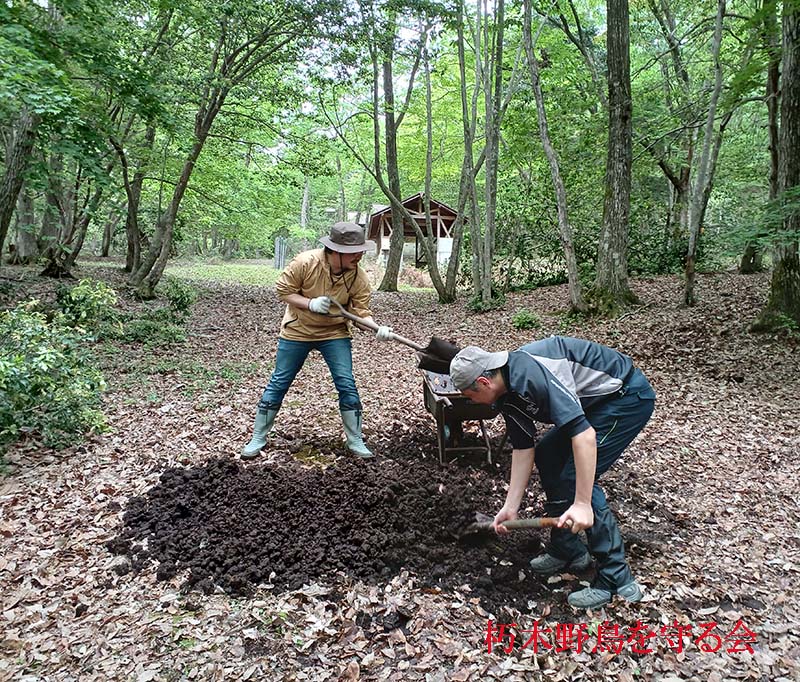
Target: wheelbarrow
x: 449, y: 408
x: 441, y: 398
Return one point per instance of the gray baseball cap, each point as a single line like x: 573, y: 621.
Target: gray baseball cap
x: 471, y: 362
x: 347, y: 238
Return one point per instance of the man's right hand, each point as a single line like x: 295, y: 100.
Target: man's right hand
x: 320, y: 305
x: 502, y: 516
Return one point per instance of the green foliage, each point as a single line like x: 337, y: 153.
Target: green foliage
x: 6, y: 290
x: 476, y: 304
x: 87, y: 304
x: 152, y: 332
x: 569, y: 320
x: 526, y: 319
x: 153, y: 328
x: 48, y: 385
x: 180, y: 294
x: 776, y: 322
x: 787, y: 324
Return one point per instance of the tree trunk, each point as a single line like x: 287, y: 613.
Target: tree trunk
x: 467, y: 182
x: 784, y: 295
x: 612, y: 257
x: 565, y: 229
x: 53, y: 216
x: 152, y: 266
x: 342, y: 194
x: 493, y: 91
x: 18, y: 152
x: 133, y: 190
x: 751, y: 258
x: 704, y: 170
x: 430, y: 232
x: 304, y: 203
x: 26, y: 250
x: 397, y: 240
x: 82, y: 227
x: 109, y: 229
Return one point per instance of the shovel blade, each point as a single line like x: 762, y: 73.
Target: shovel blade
x: 436, y: 356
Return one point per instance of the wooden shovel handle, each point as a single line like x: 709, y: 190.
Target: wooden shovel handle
x: 369, y: 324
x: 544, y: 522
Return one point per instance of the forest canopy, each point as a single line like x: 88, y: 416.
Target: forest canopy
x: 578, y: 141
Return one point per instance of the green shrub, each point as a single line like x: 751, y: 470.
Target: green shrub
x: 6, y: 290
x: 181, y: 295
x: 157, y: 327
x: 87, y: 304
x: 152, y: 331
x: 476, y: 304
x: 525, y: 319
x: 48, y: 385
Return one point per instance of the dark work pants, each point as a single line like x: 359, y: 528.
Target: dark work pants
x: 617, y: 421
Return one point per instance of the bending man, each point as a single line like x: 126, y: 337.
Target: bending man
x: 598, y: 402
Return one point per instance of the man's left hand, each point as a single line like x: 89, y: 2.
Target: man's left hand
x: 577, y: 518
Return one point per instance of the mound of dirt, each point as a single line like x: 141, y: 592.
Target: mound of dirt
x: 234, y: 526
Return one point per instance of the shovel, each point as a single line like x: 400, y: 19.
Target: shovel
x: 483, y: 523
x: 435, y: 357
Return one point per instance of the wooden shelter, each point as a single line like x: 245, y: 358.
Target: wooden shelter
x: 379, y: 227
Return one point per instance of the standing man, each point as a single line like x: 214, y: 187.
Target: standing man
x: 598, y: 402
x: 308, y: 285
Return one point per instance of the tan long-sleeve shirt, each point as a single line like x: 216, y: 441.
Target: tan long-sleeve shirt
x: 310, y: 275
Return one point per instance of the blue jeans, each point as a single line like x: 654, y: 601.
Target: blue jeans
x: 617, y: 421
x: 292, y: 355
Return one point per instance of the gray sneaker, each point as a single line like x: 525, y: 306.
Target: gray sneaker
x: 631, y: 592
x: 547, y: 564
x: 593, y: 598
x: 589, y: 598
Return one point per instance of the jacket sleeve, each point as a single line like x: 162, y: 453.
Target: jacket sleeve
x: 291, y: 279
x: 360, y: 295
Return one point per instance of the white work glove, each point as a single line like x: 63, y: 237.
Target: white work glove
x: 320, y: 304
x: 383, y: 333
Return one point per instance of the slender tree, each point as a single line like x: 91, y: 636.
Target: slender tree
x: 703, y: 178
x: 611, y: 283
x: 17, y: 156
x: 564, y: 227
x: 246, y: 39
x: 751, y: 260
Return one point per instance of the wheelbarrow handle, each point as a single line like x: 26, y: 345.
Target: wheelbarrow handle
x: 369, y: 324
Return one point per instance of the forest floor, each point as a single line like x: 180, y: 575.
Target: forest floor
x: 151, y: 552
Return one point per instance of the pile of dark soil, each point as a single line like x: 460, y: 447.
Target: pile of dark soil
x: 236, y: 527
